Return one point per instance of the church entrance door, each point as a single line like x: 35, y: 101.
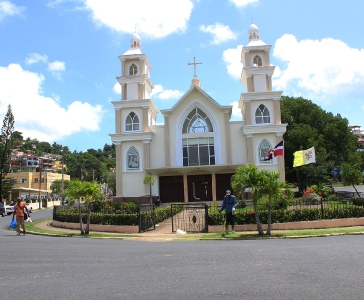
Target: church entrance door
x: 199, y: 188
x: 171, y: 189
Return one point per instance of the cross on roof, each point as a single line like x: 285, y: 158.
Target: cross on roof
x: 194, y: 65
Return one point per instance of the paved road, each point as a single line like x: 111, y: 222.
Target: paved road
x: 81, y: 268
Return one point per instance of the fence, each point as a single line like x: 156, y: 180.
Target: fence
x: 190, y: 218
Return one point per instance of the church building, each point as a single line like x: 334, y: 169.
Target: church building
x: 193, y: 155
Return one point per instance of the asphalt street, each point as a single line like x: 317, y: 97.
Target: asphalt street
x: 43, y: 267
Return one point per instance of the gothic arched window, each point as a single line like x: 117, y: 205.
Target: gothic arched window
x: 197, y: 121
x: 133, y: 70
x: 132, y: 159
x: 257, y: 61
x: 198, y: 147
x: 132, y: 122
x: 264, y: 148
x: 262, y: 115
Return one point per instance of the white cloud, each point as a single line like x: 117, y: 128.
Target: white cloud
x: 220, y: 33
x: 242, y: 3
x: 39, y: 116
x: 232, y: 59
x: 8, y: 9
x: 33, y: 58
x: 322, y: 68
x: 163, y: 94
x: 56, y: 66
x: 156, y: 19
x: 236, y: 112
x: 117, y: 88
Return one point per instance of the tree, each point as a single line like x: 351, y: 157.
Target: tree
x: 148, y: 179
x: 308, y: 125
x: 248, y: 177
x: 351, y: 174
x: 56, y: 186
x: 89, y: 191
x: 6, y: 146
x: 273, y: 188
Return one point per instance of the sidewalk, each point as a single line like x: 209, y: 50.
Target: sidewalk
x: 162, y: 232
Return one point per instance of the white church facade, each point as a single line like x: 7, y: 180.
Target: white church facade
x: 193, y: 155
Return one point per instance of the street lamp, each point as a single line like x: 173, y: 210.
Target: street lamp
x: 40, y: 181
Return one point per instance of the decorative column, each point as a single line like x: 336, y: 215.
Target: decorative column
x: 146, y: 157
x: 227, y: 138
x: 213, y: 186
x: 185, y: 188
x: 118, y: 128
x: 145, y: 119
x: 118, y: 170
x: 249, y: 148
x: 248, y: 119
x: 167, y: 142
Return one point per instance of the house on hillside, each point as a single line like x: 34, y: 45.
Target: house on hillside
x: 194, y: 154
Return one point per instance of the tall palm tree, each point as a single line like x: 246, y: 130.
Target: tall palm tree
x: 272, y: 187
x: 249, y: 177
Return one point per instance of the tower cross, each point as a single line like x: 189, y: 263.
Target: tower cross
x: 194, y: 65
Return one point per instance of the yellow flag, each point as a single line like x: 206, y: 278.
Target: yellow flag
x: 304, y: 157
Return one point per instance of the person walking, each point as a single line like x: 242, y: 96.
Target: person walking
x: 229, y: 204
x: 19, y: 213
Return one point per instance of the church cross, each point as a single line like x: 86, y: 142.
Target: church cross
x: 194, y: 65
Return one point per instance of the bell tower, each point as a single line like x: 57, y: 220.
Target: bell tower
x: 260, y: 105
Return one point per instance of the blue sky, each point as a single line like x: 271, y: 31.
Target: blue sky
x: 59, y: 58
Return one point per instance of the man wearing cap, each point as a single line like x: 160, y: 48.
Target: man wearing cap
x: 229, y: 205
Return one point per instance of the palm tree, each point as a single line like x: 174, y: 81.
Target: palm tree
x: 148, y: 179
x: 249, y: 177
x: 273, y: 188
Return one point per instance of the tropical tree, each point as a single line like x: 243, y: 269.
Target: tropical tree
x: 308, y: 125
x: 89, y: 191
x: 274, y: 190
x: 148, y: 179
x: 351, y: 174
x: 6, y: 146
x: 249, y: 177
x: 56, y: 186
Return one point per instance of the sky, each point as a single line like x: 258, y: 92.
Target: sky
x: 59, y: 58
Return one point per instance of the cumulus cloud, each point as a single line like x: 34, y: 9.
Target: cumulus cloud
x: 34, y: 58
x: 242, y: 3
x: 117, y: 88
x: 236, y: 112
x: 220, y: 33
x: 163, y: 94
x: 39, y: 116
x: 319, y: 67
x: 55, y: 67
x: 8, y: 9
x: 232, y: 58
x: 157, y: 19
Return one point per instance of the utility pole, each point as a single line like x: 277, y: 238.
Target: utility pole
x: 40, y: 181
x: 62, y: 183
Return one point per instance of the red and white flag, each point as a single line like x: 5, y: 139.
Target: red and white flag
x: 276, y: 151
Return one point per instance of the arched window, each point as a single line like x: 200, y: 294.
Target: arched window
x: 197, y: 121
x: 132, y: 159
x: 257, y: 61
x: 264, y: 148
x: 133, y: 70
x: 198, y: 149
x: 132, y: 122
x: 262, y: 115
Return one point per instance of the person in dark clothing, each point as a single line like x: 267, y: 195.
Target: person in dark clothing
x: 229, y: 204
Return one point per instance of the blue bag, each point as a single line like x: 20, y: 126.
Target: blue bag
x: 13, y: 223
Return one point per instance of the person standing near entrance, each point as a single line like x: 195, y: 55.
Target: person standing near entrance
x: 229, y: 204
x: 19, y: 212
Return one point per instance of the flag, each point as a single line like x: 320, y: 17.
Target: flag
x: 276, y: 151
x: 304, y: 157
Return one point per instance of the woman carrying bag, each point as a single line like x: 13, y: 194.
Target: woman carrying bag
x: 19, y: 213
